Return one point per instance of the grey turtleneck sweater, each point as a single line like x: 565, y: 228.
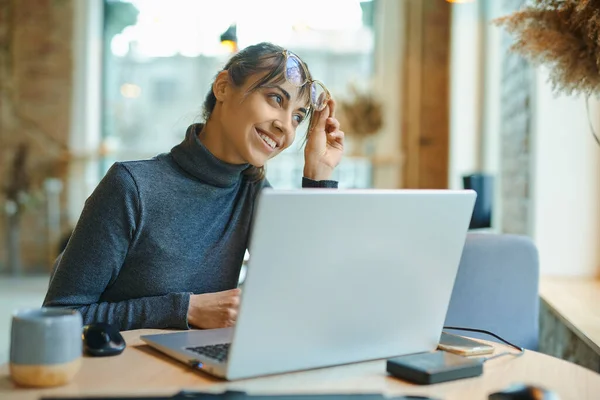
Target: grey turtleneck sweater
x: 153, y: 233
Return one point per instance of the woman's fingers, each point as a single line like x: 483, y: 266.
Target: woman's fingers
x: 321, y: 121
x: 333, y: 123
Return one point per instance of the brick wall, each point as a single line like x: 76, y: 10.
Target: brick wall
x: 35, y: 103
x: 515, y: 131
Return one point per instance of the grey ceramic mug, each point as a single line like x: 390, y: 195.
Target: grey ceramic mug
x: 45, y: 346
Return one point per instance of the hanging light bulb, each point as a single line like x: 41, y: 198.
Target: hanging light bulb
x: 229, y: 39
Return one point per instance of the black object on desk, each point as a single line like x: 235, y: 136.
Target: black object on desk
x: 434, y: 367
x: 483, y: 185
x: 524, y: 392
x: 100, y: 340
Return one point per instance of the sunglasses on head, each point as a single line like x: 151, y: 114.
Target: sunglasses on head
x: 296, y: 73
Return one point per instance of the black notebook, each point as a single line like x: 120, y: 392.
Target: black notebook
x: 232, y: 395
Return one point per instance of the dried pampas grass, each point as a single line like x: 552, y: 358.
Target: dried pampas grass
x: 564, y: 36
x: 361, y: 114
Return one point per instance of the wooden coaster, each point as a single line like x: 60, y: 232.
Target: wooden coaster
x: 44, y: 375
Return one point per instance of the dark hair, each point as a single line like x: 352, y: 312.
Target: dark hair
x: 259, y: 58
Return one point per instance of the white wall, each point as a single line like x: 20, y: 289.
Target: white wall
x: 465, y: 103
x: 492, y: 78
x: 566, y: 183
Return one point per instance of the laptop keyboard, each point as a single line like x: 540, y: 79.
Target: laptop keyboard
x: 217, y: 351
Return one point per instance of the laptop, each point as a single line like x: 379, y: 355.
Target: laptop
x: 336, y: 276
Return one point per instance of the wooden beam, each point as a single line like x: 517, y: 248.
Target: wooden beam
x: 426, y: 108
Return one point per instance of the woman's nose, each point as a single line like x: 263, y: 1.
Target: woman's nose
x: 279, y: 126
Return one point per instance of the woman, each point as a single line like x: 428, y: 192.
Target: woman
x: 160, y: 242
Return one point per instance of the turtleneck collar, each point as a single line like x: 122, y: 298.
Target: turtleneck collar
x: 193, y: 157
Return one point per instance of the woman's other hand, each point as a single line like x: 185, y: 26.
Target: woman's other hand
x: 214, y: 310
x: 325, y: 144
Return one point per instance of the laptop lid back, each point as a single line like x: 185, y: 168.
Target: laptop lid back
x: 340, y: 276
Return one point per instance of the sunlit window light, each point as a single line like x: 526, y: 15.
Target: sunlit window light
x: 229, y: 46
x: 130, y: 90
x: 119, y: 45
x: 189, y: 27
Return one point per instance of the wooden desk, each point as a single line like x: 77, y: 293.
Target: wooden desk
x: 142, y: 370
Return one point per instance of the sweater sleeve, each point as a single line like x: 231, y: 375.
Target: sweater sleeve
x: 307, y: 183
x: 93, y: 258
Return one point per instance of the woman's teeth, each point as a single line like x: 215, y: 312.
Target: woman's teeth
x: 268, y: 140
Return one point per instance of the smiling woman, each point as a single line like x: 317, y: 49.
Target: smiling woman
x: 270, y: 95
x: 160, y: 242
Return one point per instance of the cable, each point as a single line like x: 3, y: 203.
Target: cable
x: 587, y: 108
x: 521, y: 350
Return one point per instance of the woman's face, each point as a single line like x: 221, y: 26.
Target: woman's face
x: 262, y: 123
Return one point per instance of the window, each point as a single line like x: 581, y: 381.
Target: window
x: 160, y: 59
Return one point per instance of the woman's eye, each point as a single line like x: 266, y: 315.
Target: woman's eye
x: 277, y: 98
x: 298, y: 118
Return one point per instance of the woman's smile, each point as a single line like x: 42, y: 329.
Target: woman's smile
x: 269, y: 142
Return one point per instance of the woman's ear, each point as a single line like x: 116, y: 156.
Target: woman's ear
x: 221, y: 86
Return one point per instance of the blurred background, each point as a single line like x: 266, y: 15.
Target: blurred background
x: 429, y: 95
